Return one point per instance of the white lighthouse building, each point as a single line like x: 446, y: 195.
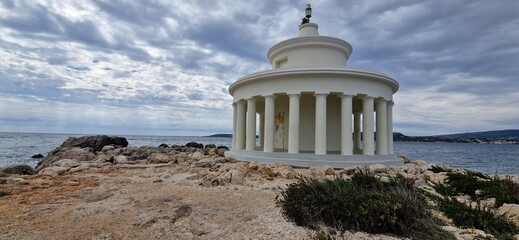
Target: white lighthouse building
x: 312, y: 109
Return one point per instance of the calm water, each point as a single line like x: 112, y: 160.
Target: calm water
x: 487, y: 158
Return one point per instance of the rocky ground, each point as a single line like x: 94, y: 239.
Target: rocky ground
x: 164, y: 192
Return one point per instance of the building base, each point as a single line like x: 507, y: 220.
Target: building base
x: 314, y: 160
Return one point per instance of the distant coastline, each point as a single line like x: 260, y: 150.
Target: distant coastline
x: 510, y: 136
x: 225, y: 135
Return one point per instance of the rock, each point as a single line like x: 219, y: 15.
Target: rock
x: 234, y: 177
x: 511, y: 212
x: 181, y: 157
x: 39, y: 155
x: 420, y: 182
x: 285, y: 172
x: 436, y: 178
x: 197, y: 156
x: 21, y: 169
x: 223, y: 147
x: 210, y: 180
x: 54, y: 170
x: 163, y: 145
x: 267, y: 172
x: 405, y: 159
x: 12, y: 180
x: 488, y: 203
x: 120, y: 159
x: 95, y: 142
x: 221, y: 152
x: 66, y: 163
x: 421, y: 163
x: 80, y: 154
x: 194, y: 145
x: 377, y: 168
x: 204, y: 163
x: 322, y: 170
x: 159, y: 158
x: 351, y: 170
x: 210, y: 146
x: 107, y: 148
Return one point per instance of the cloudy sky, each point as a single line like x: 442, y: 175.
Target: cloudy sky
x: 163, y: 67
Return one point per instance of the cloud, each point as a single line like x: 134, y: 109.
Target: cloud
x: 144, y: 66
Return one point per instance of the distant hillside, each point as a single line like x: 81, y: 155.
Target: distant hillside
x: 500, y: 134
x: 227, y: 135
x: 494, y: 137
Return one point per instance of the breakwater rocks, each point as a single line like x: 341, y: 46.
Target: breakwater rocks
x: 184, y: 192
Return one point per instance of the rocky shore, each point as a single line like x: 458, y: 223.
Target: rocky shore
x: 99, y: 188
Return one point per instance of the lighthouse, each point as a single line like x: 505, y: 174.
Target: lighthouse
x: 313, y: 109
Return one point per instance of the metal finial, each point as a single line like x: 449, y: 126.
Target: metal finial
x: 308, y: 14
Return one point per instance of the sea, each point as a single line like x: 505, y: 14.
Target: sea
x: 486, y: 158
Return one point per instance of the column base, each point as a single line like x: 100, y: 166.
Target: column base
x: 314, y: 160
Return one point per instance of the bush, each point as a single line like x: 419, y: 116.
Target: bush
x: 364, y: 203
x: 464, y: 216
x: 439, y: 169
x: 504, y: 190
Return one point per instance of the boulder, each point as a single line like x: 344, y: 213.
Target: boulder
x: 194, y: 145
x: 234, y: 176
x: 39, y: 155
x: 210, y: 146
x: 76, y: 153
x: 197, y: 156
x: 163, y: 145
x: 95, y: 142
x: 107, y: 148
x: 323, y: 170
x: 510, y: 211
x: 66, y: 163
x: 21, y: 169
x: 285, y: 172
x: 377, y: 168
x: 159, y: 158
x: 121, y: 159
x: 351, y: 170
x: 204, y: 163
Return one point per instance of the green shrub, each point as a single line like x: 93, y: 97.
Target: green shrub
x: 438, y: 169
x: 364, y: 203
x: 466, y: 217
x: 458, y: 183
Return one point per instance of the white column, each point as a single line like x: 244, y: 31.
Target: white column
x: 381, y: 107
x: 234, y: 116
x: 390, y: 149
x: 346, y: 111
x: 368, y: 140
x: 240, y: 125
x: 356, y: 131
x: 251, y: 124
x: 320, y: 123
x: 293, y: 124
x: 268, y: 145
x: 261, y: 129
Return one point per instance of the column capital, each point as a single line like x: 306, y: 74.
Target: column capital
x: 290, y: 94
x: 254, y: 99
x: 269, y: 96
x: 390, y: 102
x: 380, y: 99
x: 321, y: 94
x: 344, y: 95
x: 366, y: 97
